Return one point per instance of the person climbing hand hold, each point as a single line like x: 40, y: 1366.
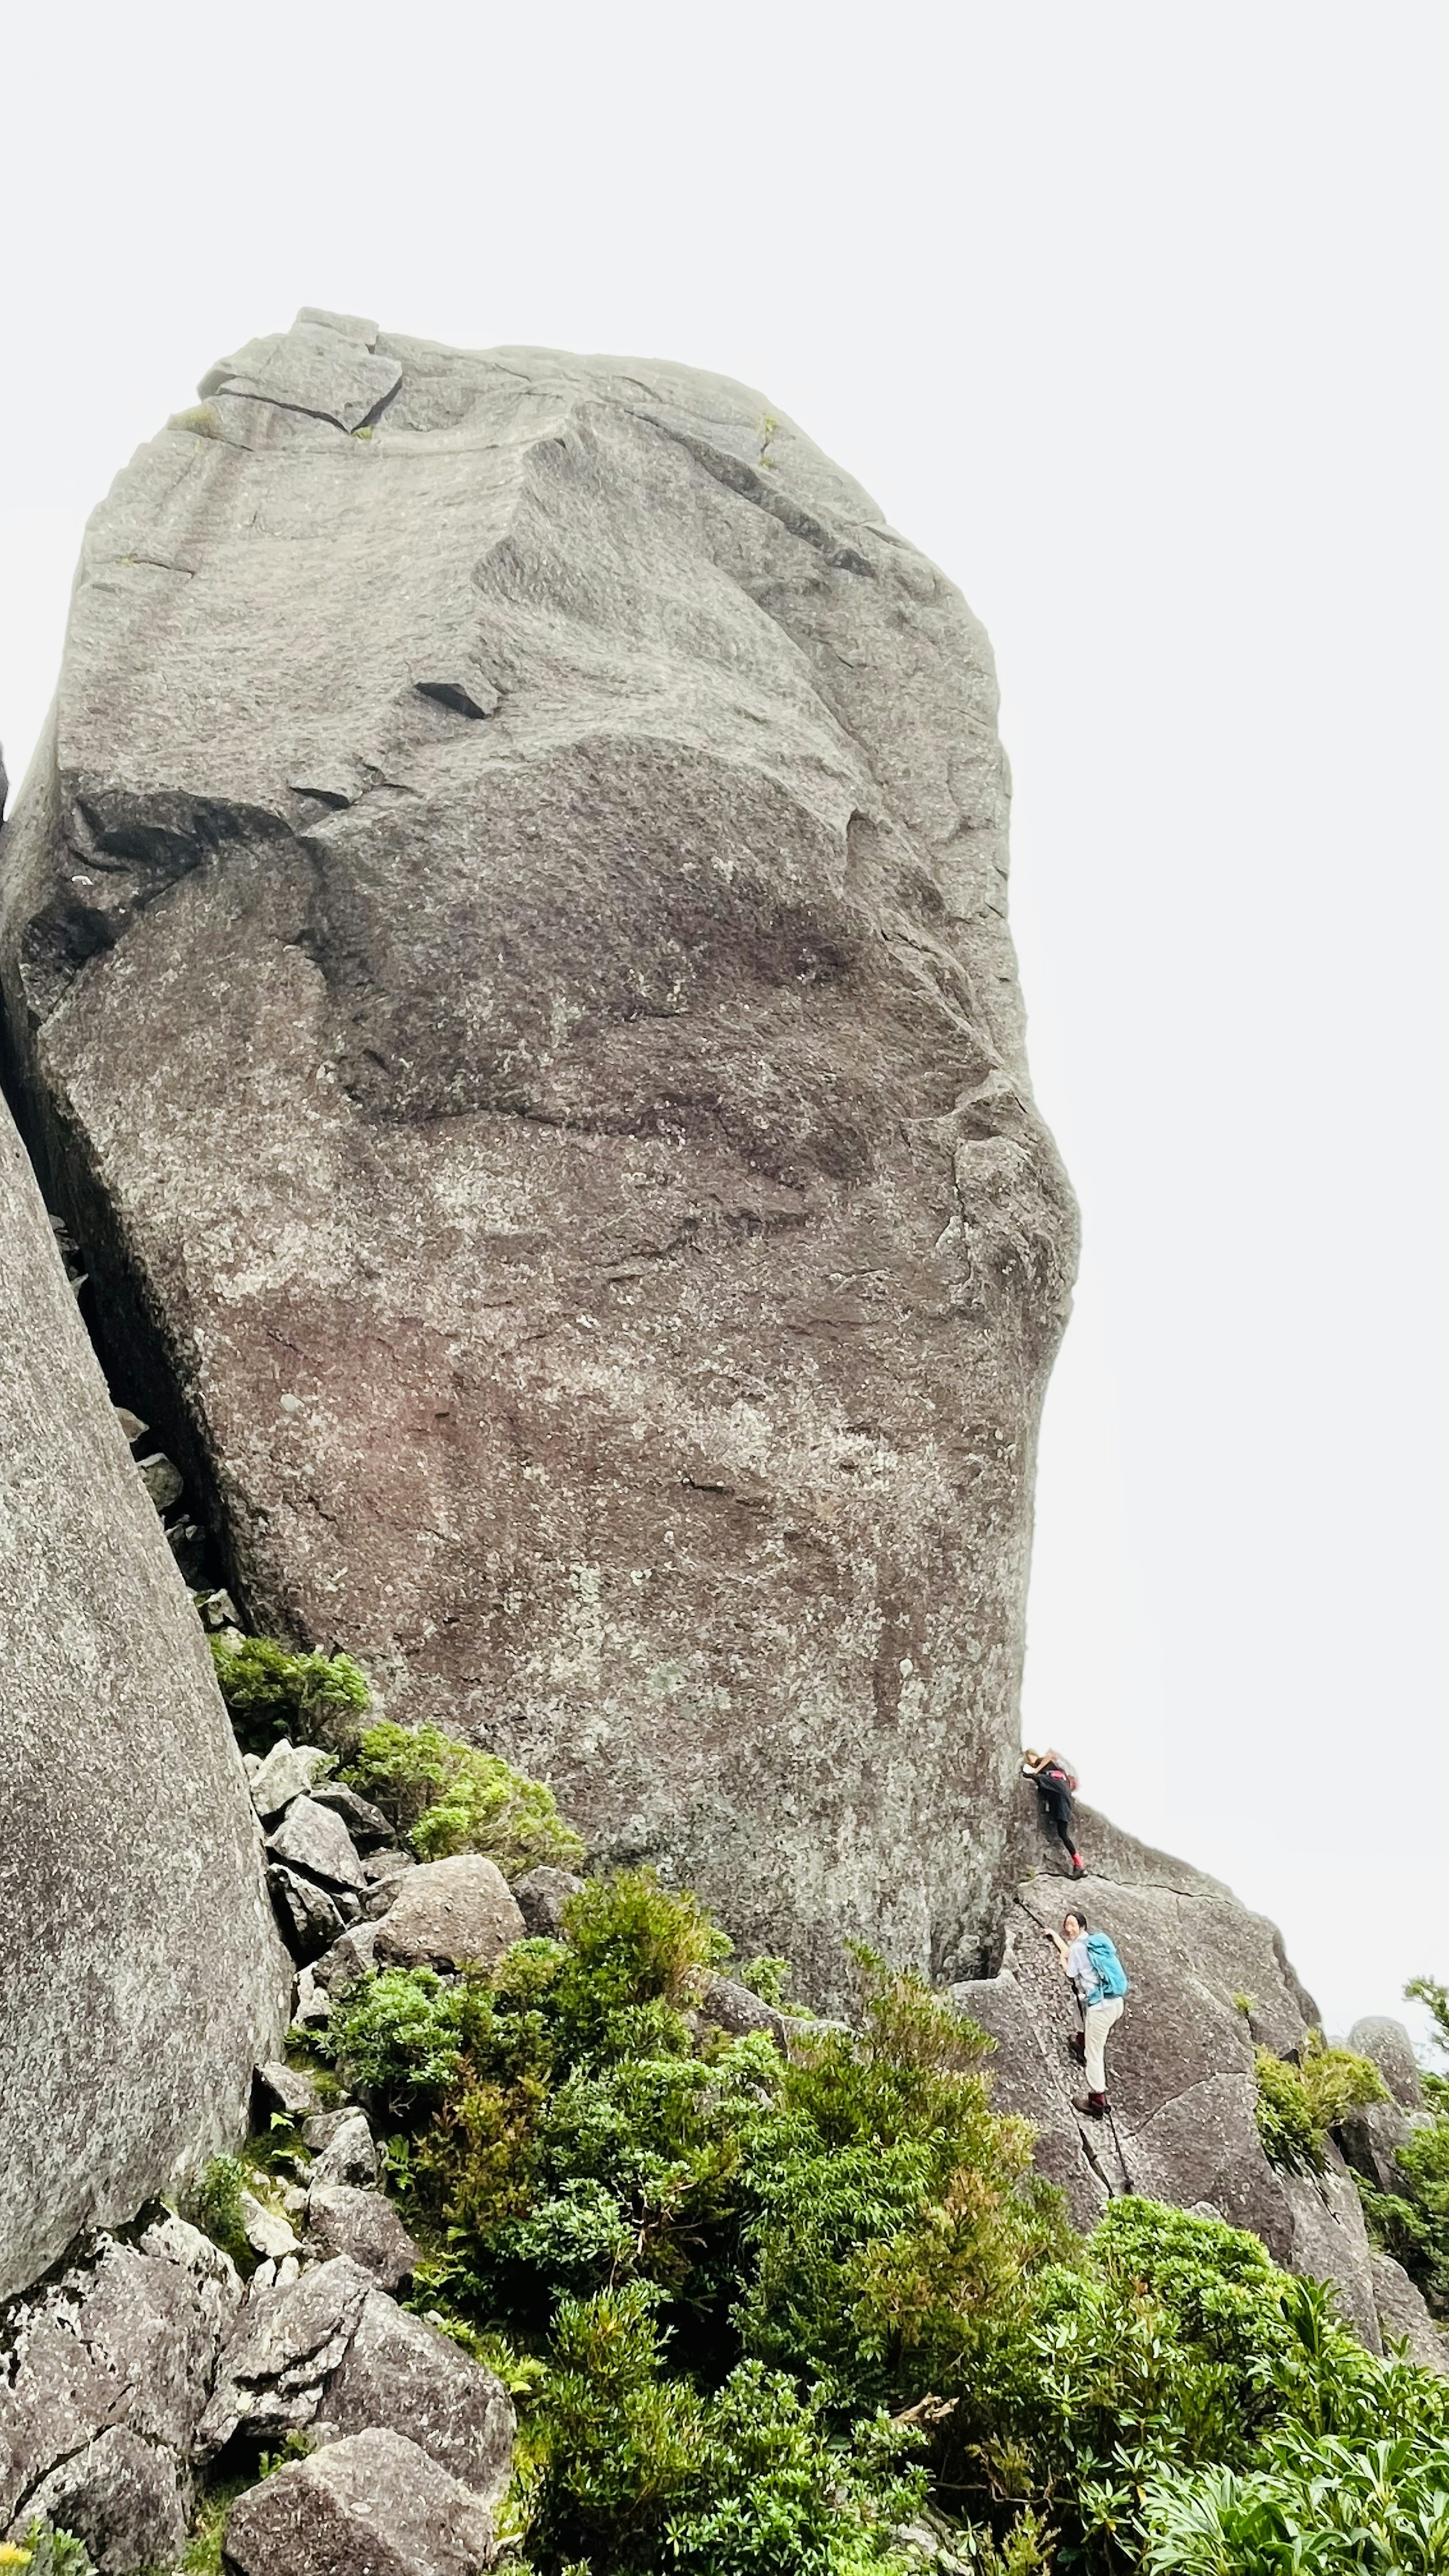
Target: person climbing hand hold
x: 1056, y: 1783
x: 1090, y: 1960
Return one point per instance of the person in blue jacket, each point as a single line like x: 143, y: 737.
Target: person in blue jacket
x: 1090, y: 1960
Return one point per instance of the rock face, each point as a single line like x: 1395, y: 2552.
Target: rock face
x: 1180, y: 2063
x: 140, y: 1974
x: 507, y: 956
x: 374, y: 2505
x: 103, y: 2378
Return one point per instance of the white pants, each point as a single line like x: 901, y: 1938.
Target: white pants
x: 1098, y: 2020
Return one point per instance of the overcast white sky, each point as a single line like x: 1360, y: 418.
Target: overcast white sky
x: 1133, y: 317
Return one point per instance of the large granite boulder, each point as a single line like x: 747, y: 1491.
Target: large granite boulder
x: 1210, y: 1982
x: 140, y: 1974
x: 506, y: 948
x: 374, y: 2505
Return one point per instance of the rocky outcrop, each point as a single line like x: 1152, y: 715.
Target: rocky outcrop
x: 1210, y: 1982
x: 506, y: 953
x: 140, y: 1975
x: 374, y: 2505
x: 103, y: 2379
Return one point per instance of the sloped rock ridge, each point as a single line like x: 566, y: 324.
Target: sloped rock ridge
x: 140, y: 1973
x: 505, y: 953
x: 1210, y: 1982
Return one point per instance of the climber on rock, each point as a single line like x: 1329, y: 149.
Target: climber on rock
x: 1055, y: 1783
x: 1090, y: 1960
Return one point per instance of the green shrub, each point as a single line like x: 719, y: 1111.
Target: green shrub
x: 47, y: 2552
x: 1299, y: 2104
x: 216, y: 2208
x: 449, y: 1797
x: 270, y: 1693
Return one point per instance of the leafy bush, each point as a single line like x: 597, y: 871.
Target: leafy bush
x: 450, y: 1797
x: 743, y: 2483
x: 1299, y: 2104
x: 1412, y: 2223
x: 270, y: 1693
x: 216, y: 2208
x: 46, y: 2552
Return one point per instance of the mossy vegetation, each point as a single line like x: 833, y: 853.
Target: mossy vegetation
x: 446, y: 1796
x: 271, y: 1693
x: 761, y: 2316
x: 1412, y: 2222
x: 1300, y: 2102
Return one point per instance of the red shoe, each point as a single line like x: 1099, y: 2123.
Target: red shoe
x: 1094, y: 2106
x: 1079, y: 1866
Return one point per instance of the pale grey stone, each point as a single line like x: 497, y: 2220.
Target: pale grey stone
x: 314, y: 1838
x: 622, y: 1098
x: 283, y: 2349
x: 103, y: 2377
x: 541, y: 1898
x: 1403, y: 2314
x: 126, y: 2042
x: 401, y: 2372
x: 322, y: 2128
x: 1391, y: 2049
x: 455, y: 1913
x: 162, y: 1479
x: 735, y: 2009
x: 386, y: 1871
x: 287, y: 2088
x: 364, y: 2225
x: 349, y: 2154
x: 132, y: 1426
x: 349, y: 1960
x: 308, y: 1916
x: 374, y: 2505
x: 289, y: 1771
x: 366, y: 1823
x: 123, y: 2498
x: 313, y: 2005
x: 267, y: 2232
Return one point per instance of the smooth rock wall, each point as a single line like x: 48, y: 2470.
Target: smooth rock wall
x: 506, y: 946
x: 140, y: 1969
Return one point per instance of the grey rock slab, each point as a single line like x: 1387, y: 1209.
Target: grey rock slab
x: 366, y: 1823
x: 162, y: 1479
x: 289, y: 1771
x: 283, y: 2348
x: 401, y: 2373
x: 450, y: 1914
x: 1391, y: 2049
x: 349, y: 2154
x: 322, y: 2128
x: 288, y: 2089
x: 386, y: 1872
x: 363, y: 2225
x: 103, y: 2376
x: 735, y: 2009
x: 623, y: 1097
x: 306, y: 1912
x: 374, y: 2505
x: 349, y: 1960
x: 1330, y: 2243
x: 127, y: 2501
x: 1403, y: 2314
x: 1371, y: 2135
x: 126, y: 2042
x: 314, y: 1838
x: 267, y: 2232
x: 541, y: 1898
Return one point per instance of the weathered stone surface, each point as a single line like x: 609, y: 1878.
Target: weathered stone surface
x: 307, y: 1913
x: 1180, y: 2064
x: 126, y: 2043
x: 541, y: 1898
x: 289, y: 2089
x: 349, y: 2154
x: 348, y: 1960
x: 285, y: 2346
x: 267, y: 2232
x: 314, y: 1838
x: 364, y: 2226
x: 450, y: 1914
x: 103, y: 2376
x: 289, y: 1771
x: 122, y: 2497
x: 1403, y: 2316
x: 1371, y: 2136
x: 736, y: 2010
x: 1392, y: 2051
x: 565, y: 1175
x: 366, y: 1823
x: 401, y: 2373
x: 372, y: 2506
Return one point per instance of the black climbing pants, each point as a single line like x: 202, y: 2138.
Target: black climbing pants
x: 1058, y: 1804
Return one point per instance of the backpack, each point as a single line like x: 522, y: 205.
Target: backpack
x: 1106, y: 1966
